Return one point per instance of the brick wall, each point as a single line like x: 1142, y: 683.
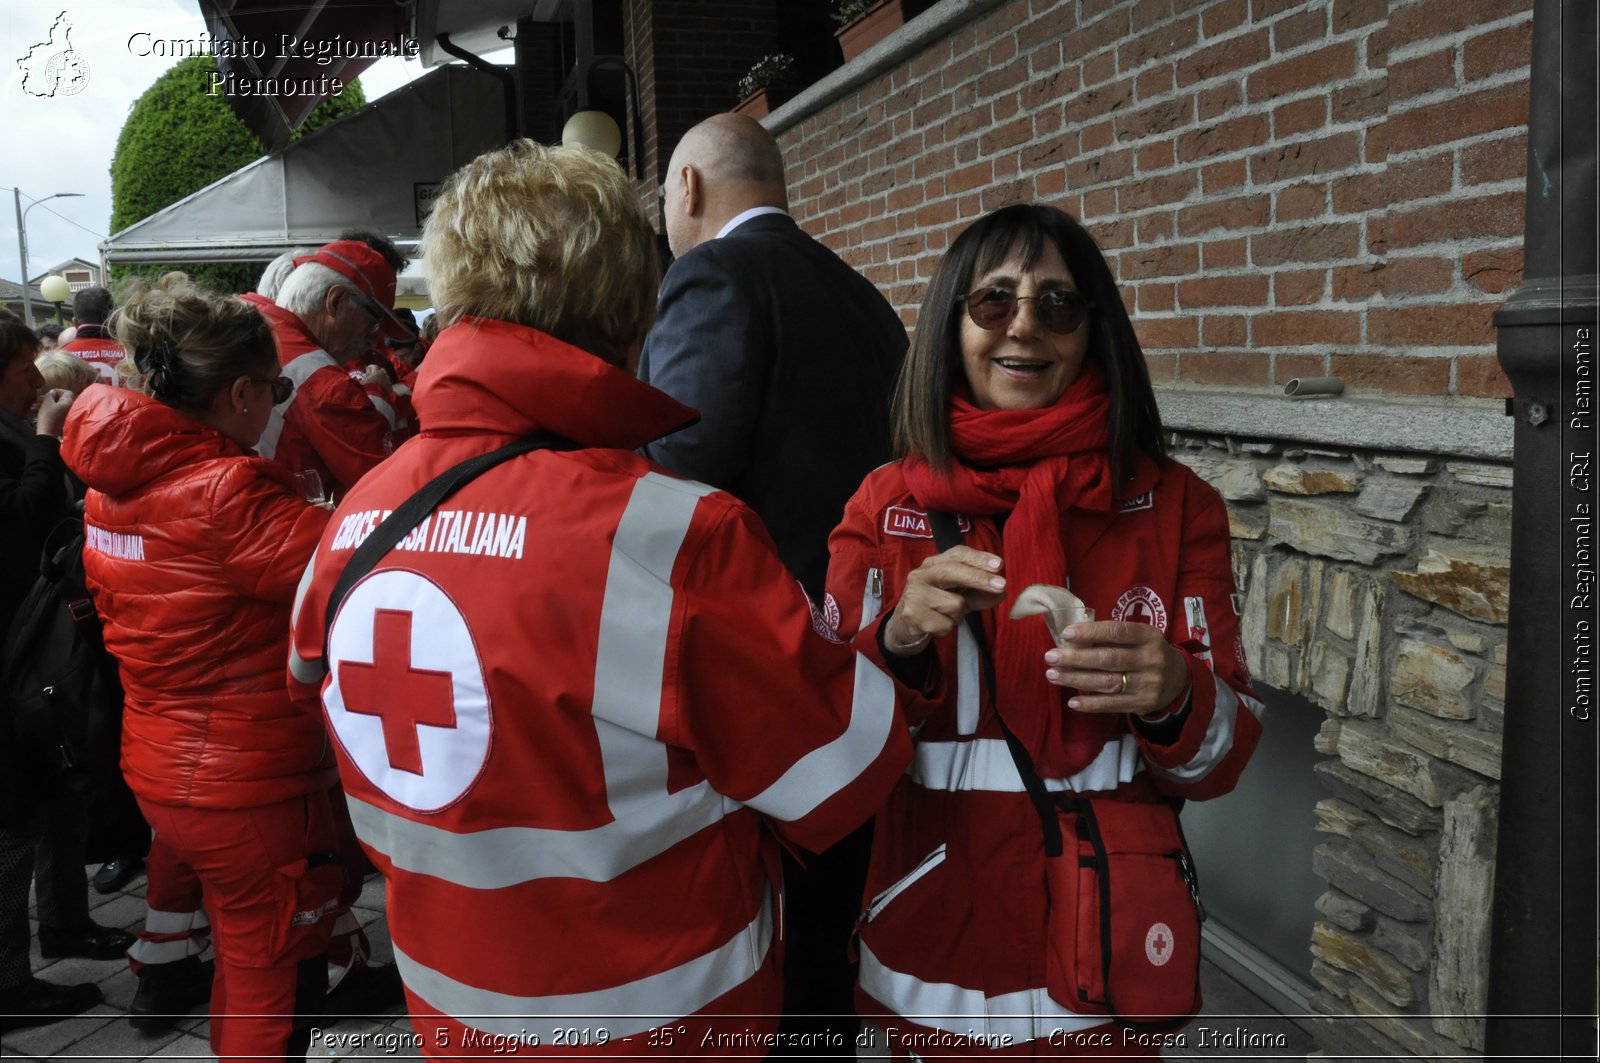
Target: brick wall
x: 1284, y: 187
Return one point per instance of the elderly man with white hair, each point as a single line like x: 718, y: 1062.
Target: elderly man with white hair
x: 323, y: 316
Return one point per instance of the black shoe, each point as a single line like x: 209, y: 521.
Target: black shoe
x: 370, y: 991
x: 115, y: 874
x: 167, y: 991
x: 91, y: 941
x: 36, y: 1003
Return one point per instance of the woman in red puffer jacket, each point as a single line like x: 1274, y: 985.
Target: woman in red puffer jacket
x: 194, y: 546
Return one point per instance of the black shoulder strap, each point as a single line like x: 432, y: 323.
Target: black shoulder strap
x: 398, y: 524
x: 947, y: 533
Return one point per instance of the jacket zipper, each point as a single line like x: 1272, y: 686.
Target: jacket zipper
x: 881, y: 901
x: 872, y: 600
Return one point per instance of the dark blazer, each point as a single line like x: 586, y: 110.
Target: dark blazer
x: 790, y: 356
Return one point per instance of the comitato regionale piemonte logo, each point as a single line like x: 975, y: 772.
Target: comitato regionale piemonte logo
x: 53, y: 67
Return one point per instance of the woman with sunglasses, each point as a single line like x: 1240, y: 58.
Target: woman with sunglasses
x: 194, y: 547
x: 1024, y: 410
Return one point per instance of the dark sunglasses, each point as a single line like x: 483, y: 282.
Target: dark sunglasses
x: 282, y: 388
x: 1061, y: 311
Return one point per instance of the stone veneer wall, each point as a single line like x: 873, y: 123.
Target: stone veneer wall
x: 1375, y: 584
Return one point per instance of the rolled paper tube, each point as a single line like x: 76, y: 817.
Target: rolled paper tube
x: 1302, y: 387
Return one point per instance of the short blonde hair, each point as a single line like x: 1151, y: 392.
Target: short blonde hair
x: 554, y: 238
x: 63, y: 369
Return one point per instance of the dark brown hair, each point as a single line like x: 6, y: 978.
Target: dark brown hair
x: 921, y: 411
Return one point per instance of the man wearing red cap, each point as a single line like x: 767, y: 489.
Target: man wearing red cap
x: 325, y: 314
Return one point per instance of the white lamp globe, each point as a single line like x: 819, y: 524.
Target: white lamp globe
x: 593, y: 129
x: 55, y: 289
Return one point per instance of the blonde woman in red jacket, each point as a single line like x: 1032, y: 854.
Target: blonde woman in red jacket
x: 193, y: 548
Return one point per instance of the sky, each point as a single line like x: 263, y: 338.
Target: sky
x: 64, y: 143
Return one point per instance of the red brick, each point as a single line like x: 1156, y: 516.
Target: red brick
x: 1299, y: 117
x: 1493, y: 271
x: 1163, y: 368
x: 1392, y: 373
x: 1304, y: 158
x: 1153, y: 299
x: 1219, y: 18
x: 1050, y: 183
x: 1431, y: 325
x: 1229, y: 135
x: 1299, y: 287
x: 1306, y: 328
x: 1162, y: 190
x: 1225, y: 369
x: 1423, y: 275
x: 1310, y: 70
x: 1375, y: 143
x: 1143, y: 261
x: 1164, y: 43
x: 1155, y: 120
x: 1223, y: 58
x: 1220, y: 177
x: 1099, y: 203
x: 1001, y: 138
x: 1356, y: 101
x: 1224, y: 330
x: 1224, y: 254
x: 1440, y: 18
x: 1100, y: 68
x: 1154, y: 156
x: 1095, y: 137
x: 1298, y: 29
x: 1480, y: 375
x: 1241, y: 212
x: 1489, y: 53
x: 1459, y: 117
x: 971, y: 177
x: 1351, y: 14
x: 1329, y: 242
x: 1214, y: 101
x: 1412, y: 179
x: 1356, y: 284
x: 1100, y: 169
x: 1299, y: 202
x: 1502, y: 159
x: 1003, y: 195
x: 1157, y: 81
x: 1423, y: 74
x: 1263, y: 10
x: 1166, y: 333
x: 1154, y: 228
x: 1286, y: 367
x: 1238, y: 290
x: 1499, y: 214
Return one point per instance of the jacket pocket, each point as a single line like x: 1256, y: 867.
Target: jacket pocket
x: 307, y: 893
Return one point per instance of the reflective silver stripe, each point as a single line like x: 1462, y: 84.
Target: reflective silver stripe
x: 825, y: 771
x: 383, y: 407
x: 967, y: 679
x: 401, y: 389
x: 506, y: 856
x: 634, y: 621
x: 157, y: 921
x: 147, y: 952
x: 629, y: 1009
x: 1219, y: 734
x: 298, y: 370
x: 1025, y: 1015
x: 304, y: 671
x: 986, y: 764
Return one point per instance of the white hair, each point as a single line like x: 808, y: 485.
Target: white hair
x: 304, y: 293
x: 278, y: 271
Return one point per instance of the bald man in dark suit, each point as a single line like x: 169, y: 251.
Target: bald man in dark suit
x: 790, y: 356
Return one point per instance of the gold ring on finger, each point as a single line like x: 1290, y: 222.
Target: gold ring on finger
x: 1124, y: 689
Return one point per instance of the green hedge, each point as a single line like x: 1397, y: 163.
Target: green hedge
x: 177, y: 140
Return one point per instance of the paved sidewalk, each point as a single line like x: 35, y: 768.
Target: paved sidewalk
x: 103, y: 1033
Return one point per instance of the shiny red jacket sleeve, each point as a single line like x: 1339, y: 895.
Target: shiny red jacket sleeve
x: 269, y: 532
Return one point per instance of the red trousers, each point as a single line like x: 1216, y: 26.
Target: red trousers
x: 271, y: 877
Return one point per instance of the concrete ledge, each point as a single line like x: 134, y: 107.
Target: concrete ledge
x: 1470, y: 428
x: 934, y: 24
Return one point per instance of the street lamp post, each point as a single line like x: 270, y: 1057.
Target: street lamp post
x: 22, y: 244
x: 56, y: 290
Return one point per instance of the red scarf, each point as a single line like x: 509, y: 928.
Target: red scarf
x: 1033, y: 465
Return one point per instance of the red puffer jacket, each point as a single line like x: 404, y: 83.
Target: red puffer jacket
x: 194, y: 546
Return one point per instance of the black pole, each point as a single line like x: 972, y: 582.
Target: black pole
x: 507, y: 81
x: 1542, y: 958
